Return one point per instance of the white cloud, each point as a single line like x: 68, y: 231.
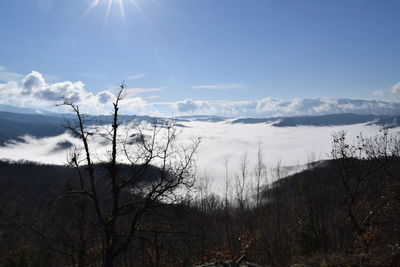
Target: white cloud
x: 190, y: 106
x: 378, y: 93
x: 387, y: 93
x: 32, y: 81
x: 272, y: 107
x: 241, y: 109
x: 6, y: 76
x: 320, y: 106
x: 105, y: 97
x: 395, y: 88
x: 220, y: 86
x: 134, y: 105
x: 33, y: 91
x: 138, y: 91
x: 9, y: 76
x: 151, y: 97
x: 137, y: 76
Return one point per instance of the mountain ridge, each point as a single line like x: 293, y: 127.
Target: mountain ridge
x: 15, y: 125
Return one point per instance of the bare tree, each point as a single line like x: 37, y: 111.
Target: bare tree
x: 360, y: 163
x: 277, y: 245
x: 260, y: 175
x: 227, y: 182
x: 143, y: 171
x: 241, y: 186
x: 227, y: 220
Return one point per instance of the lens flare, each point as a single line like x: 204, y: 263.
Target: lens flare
x: 110, y: 6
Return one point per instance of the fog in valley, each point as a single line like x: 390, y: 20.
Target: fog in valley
x: 221, y: 142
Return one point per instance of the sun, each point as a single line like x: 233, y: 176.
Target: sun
x: 113, y: 5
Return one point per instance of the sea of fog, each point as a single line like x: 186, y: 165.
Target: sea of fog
x: 220, y: 141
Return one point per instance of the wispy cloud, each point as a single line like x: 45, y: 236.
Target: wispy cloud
x: 219, y: 86
x: 391, y: 93
x: 137, y: 91
x: 378, y: 93
x: 137, y: 76
x: 6, y: 76
x: 151, y: 97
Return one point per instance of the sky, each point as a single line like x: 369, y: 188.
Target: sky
x: 220, y: 57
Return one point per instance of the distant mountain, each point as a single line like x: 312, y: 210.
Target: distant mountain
x: 12, y: 130
x: 31, y: 118
x: 14, y: 125
x: 13, y: 109
x: 208, y: 118
x: 255, y: 120
x: 325, y: 120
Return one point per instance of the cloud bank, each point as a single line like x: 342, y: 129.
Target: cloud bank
x: 219, y: 140
x: 272, y: 107
x: 191, y: 106
x: 33, y: 90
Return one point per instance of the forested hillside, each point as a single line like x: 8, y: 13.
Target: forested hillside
x: 340, y: 212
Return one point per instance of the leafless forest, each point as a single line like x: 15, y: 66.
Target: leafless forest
x: 156, y: 210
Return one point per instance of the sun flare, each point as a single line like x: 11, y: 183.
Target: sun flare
x: 114, y: 5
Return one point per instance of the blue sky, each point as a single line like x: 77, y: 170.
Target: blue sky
x: 203, y: 52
